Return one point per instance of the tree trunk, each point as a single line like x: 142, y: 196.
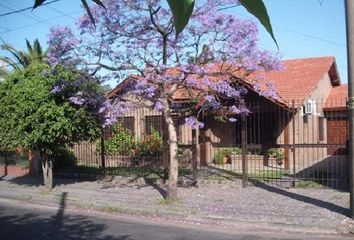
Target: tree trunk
x: 172, y: 140
x: 47, y: 167
x: 34, y: 162
x: 165, y: 150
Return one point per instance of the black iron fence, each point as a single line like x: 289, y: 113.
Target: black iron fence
x: 133, y: 147
x: 301, y: 143
x: 18, y: 158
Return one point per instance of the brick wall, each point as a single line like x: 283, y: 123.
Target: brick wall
x: 13, y: 170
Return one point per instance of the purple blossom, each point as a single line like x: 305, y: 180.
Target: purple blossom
x: 235, y: 110
x: 271, y: 91
x: 211, y: 103
x: 158, y: 106
x: 122, y: 38
x: 193, y: 122
x: 57, y: 89
x: 77, y: 100
x: 61, y: 42
x: 144, y: 89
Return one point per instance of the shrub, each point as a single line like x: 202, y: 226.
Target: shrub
x: 278, y: 154
x: 120, y: 143
x: 150, y: 146
x: 236, y: 151
x: 219, y: 157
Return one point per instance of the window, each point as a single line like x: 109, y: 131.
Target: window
x: 157, y: 123
x: 126, y: 122
x: 309, y: 107
x: 153, y: 122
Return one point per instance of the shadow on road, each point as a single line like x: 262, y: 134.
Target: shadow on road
x: 57, y: 227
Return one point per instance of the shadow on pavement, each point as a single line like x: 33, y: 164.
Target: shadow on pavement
x: 317, y: 202
x: 57, y: 227
x: 310, y: 200
x: 37, y: 181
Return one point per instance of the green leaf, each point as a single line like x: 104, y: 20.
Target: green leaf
x: 86, y: 6
x: 38, y: 3
x: 181, y: 10
x: 259, y: 10
x: 99, y: 3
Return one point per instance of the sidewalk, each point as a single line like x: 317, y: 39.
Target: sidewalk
x: 315, y: 211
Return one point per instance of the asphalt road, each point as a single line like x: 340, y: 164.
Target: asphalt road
x: 24, y: 221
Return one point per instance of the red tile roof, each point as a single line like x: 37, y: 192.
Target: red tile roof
x: 300, y: 77
x: 296, y: 82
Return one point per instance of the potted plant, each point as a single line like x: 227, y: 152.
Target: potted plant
x: 223, y: 156
x: 278, y: 154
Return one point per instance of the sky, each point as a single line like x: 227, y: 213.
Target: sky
x: 303, y: 28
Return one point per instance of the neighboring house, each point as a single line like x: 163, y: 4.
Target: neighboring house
x: 307, y: 119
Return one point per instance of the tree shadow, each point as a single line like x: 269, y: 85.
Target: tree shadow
x: 331, y: 172
x: 58, y: 180
x: 310, y: 200
x: 157, y: 187
x: 57, y: 227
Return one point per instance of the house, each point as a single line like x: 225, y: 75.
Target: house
x: 306, y: 121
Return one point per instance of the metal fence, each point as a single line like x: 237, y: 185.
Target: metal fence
x: 301, y: 144
x: 134, y: 145
x: 19, y: 158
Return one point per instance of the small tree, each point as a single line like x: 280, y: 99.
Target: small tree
x: 19, y: 59
x: 46, y: 109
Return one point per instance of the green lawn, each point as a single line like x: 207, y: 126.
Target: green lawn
x: 152, y: 173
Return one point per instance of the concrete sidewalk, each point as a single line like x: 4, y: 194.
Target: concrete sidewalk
x: 265, y: 208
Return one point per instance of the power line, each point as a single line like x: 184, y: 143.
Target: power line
x: 42, y: 21
x: 288, y: 29
x: 33, y: 18
x: 221, y: 9
x: 27, y: 8
x: 61, y: 13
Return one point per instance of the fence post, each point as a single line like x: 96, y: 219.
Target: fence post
x: 103, y: 157
x: 244, y: 150
x: 194, y: 154
x: 6, y: 163
x: 294, y: 139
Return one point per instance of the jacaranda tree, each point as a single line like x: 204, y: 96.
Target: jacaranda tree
x: 46, y: 109
x: 138, y: 37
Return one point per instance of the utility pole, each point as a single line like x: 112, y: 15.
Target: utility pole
x: 349, y: 17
